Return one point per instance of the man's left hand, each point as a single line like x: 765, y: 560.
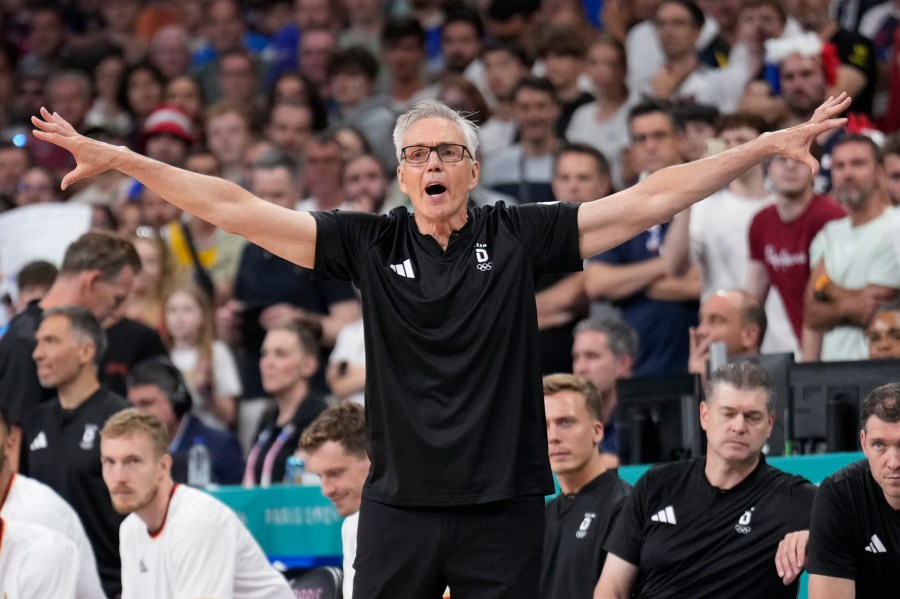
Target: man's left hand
x: 790, y: 558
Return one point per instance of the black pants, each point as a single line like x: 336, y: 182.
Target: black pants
x: 487, y: 551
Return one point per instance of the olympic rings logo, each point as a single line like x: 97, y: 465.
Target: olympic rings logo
x: 484, y: 267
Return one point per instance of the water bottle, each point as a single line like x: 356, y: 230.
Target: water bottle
x: 293, y: 470
x: 199, y: 465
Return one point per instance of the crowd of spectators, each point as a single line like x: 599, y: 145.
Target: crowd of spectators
x: 296, y: 102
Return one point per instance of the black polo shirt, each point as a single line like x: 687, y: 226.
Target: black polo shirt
x: 577, y: 527
x: 690, y: 539
x: 454, y: 408
x: 20, y: 390
x: 128, y: 343
x: 855, y: 534
x: 61, y: 448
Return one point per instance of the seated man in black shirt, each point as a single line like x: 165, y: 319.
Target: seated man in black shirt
x: 713, y: 526
x: 60, y: 440
x: 581, y: 518
x: 854, y: 531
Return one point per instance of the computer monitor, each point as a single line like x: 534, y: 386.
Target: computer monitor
x: 659, y: 419
x: 777, y: 367
x: 826, y: 398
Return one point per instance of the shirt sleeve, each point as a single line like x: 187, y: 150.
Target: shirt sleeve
x: 803, y: 495
x: 341, y: 237
x: 885, y: 269
x: 817, y: 248
x: 549, y: 232
x: 753, y: 241
x: 830, y: 539
x: 20, y: 390
x: 627, y: 534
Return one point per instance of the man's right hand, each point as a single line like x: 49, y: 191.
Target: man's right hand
x: 699, y: 352
x: 92, y: 157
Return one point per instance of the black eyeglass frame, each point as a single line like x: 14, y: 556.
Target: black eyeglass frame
x: 436, y: 149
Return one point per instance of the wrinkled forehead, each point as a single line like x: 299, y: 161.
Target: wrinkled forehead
x: 726, y: 396
x: 432, y: 131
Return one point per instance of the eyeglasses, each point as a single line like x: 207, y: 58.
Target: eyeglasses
x: 446, y: 153
x: 881, y: 336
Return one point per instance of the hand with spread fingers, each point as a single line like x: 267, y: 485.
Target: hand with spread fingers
x: 91, y: 156
x: 795, y: 142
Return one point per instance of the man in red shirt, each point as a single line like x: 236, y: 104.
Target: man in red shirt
x: 781, y: 234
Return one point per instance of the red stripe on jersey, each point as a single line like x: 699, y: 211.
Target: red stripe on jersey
x: 155, y: 534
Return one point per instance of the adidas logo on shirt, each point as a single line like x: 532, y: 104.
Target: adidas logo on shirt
x: 665, y: 516
x: 142, y: 568
x: 40, y: 442
x: 876, y: 546
x: 405, y: 269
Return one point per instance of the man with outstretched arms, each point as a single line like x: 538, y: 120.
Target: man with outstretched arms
x: 454, y: 412
x: 722, y: 526
x: 854, y: 533
x: 176, y: 541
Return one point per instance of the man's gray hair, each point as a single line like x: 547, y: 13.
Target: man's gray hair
x: 743, y: 375
x: 620, y: 338
x: 274, y: 159
x: 85, y: 325
x: 435, y: 108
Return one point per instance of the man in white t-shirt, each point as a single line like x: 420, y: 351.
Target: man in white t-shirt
x: 855, y: 270
x: 27, y: 500
x: 334, y: 447
x: 176, y: 541
x: 719, y: 228
x: 36, y: 562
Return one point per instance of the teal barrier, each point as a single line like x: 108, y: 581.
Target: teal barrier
x: 814, y: 468
x: 295, y: 525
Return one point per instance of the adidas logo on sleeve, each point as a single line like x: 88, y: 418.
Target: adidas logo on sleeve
x: 40, y: 442
x: 876, y: 546
x: 665, y: 516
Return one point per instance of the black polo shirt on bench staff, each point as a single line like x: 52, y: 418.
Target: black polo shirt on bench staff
x: 855, y: 534
x: 454, y: 407
x: 61, y: 448
x: 690, y: 539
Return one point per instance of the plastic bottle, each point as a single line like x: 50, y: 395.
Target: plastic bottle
x: 293, y: 470
x: 199, y: 464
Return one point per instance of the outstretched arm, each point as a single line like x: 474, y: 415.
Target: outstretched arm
x: 289, y: 234
x: 607, y: 222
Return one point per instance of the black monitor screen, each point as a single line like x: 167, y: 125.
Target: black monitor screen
x: 658, y: 419
x: 826, y: 398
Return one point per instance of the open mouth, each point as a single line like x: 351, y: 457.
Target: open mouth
x: 435, y: 189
